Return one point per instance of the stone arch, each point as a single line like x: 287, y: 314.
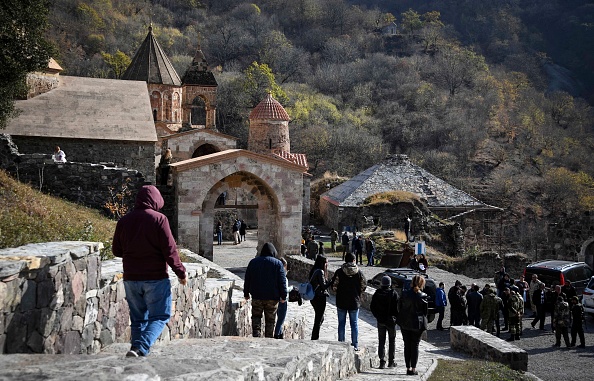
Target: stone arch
x: 205, y: 149
x: 268, y: 210
x: 198, y: 112
x: 587, y: 252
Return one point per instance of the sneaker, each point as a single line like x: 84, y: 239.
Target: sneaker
x: 133, y: 352
x: 391, y: 364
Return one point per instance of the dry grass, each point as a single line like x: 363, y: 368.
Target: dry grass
x: 29, y: 216
x: 475, y: 370
x: 393, y: 197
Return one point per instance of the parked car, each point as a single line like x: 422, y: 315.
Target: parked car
x: 401, y: 278
x: 588, y: 297
x: 555, y: 272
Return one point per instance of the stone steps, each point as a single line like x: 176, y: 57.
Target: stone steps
x: 223, y: 358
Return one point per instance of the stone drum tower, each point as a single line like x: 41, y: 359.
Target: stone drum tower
x: 269, y: 128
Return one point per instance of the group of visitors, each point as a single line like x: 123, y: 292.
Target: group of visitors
x: 238, y: 229
x: 357, y: 245
x: 509, y: 298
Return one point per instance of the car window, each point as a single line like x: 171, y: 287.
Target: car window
x: 591, y: 284
x: 549, y: 277
x: 574, y: 274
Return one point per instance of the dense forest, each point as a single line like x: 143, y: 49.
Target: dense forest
x: 490, y: 95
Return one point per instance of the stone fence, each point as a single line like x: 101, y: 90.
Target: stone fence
x: 58, y: 297
x: 481, y: 344
x: 486, y: 264
x: 83, y: 183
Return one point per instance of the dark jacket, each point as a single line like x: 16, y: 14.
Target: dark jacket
x: 474, y: 300
x: 144, y: 241
x: 412, y: 311
x: 537, y: 297
x: 265, y: 277
x: 384, y: 305
x: 345, y: 239
x: 348, y: 284
x: 319, y: 283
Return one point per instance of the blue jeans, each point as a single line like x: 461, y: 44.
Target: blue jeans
x: 281, y: 313
x: 150, y: 309
x: 353, y: 318
x: 219, y: 238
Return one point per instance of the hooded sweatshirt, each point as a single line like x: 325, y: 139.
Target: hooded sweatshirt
x: 265, y: 277
x: 144, y: 241
x: 348, y: 283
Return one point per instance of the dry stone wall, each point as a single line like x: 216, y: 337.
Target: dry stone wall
x: 59, y: 298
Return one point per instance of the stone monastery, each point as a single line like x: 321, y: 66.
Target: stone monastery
x: 114, y: 121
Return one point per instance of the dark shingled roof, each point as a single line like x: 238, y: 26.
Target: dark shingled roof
x: 151, y: 64
x: 397, y: 173
x: 198, y: 73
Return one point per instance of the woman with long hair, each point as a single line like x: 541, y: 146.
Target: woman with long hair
x: 412, y: 320
x: 318, y: 277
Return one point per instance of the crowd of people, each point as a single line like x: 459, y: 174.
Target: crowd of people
x: 508, y: 300
x: 357, y: 245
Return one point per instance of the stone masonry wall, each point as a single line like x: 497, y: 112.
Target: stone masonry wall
x: 140, y: 156
x: 486, y: 264
x: 571, y: 239
x: 82, y: 183
x: 58, y: 298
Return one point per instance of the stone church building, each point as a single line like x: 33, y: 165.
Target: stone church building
x: 131, y: 122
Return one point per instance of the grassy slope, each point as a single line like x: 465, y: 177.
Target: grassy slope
x: 29, y: 216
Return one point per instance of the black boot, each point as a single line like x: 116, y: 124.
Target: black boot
x: 512, y: 338
x: 382, y: 364
x: 518, y: 336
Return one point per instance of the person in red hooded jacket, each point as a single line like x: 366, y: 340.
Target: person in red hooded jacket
x: 144, y: 241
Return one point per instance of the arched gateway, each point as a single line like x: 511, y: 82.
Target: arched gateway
x: 276, y: 184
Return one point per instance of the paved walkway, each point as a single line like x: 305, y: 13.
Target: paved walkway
x: 236, y: 258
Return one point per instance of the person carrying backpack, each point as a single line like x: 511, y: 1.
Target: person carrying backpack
x: 384, y: 306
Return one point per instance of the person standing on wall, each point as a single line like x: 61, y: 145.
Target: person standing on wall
x: 144, y: 241
x: 412, y: 319
x: 266, y: 282
x: 318, y: 279
x: 333, y: 239
x: 384, y: 306
x: 348, y: 284
x: 59, y: 156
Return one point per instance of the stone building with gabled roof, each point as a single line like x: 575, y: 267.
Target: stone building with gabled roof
x: 93, y: 120
x: 343, y: 204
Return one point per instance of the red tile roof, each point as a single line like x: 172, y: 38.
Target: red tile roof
x: 269, y: 109
x: 297, y: 158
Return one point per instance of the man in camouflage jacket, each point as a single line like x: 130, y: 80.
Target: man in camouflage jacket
x: 515, y: 307
x: 562, y: 320
x: 489, y: 311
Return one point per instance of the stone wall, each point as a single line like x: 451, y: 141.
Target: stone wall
x: 82, y: 183
x: 480, y: 344
x: 140, y: 156
x: 58, y: 297
x: 184, y: 144
x: 485, y: 265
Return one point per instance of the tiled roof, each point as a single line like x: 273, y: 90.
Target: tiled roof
x: 151, y: 64
x: 397, y: 173
x: 269, y: 109
x: 198, y: 73
x: 297, y: 158
x: 87, y: 108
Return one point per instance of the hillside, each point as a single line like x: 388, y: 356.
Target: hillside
x: 467, y: 89
x: 29, y: 216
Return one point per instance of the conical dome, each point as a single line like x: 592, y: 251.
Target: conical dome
x: 269, y: 109
x: 151, y: 64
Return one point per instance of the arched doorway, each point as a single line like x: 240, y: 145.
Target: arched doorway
x: 205, y: 149
x: 264, y: 200
x: 198, y: 115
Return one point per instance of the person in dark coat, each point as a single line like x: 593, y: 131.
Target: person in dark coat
x: 345, y: 244
x: 320, y: 283
x: 474, y: 300
x: 266, y: 283
x: 358, y: 249
x: 540, y: 301
x: 412, y: 319
x: 143, y: 240
x: 384, y: 306
x: 242, y: 229
x: 456, y: 313
x: 577, y: 317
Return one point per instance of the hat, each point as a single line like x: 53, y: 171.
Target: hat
x: 386, y: 281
